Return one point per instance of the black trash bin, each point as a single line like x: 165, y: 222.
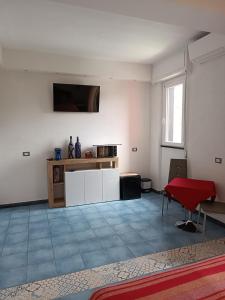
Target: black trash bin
x: 130, y: 186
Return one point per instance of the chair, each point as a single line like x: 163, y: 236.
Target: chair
x: 208, y: 207
x: 178, y: 168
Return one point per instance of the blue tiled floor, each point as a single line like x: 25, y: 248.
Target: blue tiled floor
x: 37, y: 242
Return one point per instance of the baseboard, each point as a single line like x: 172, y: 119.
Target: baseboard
x: 23, y: 203
x: 157, y: 192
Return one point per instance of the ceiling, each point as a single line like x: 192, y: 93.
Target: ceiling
x: 60, y: 26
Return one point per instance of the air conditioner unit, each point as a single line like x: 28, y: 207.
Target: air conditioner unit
x: 207, y: 48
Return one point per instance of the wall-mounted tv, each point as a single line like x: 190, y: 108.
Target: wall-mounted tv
x: 76, y: 98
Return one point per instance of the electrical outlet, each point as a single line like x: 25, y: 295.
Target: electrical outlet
x: 218, y: 160
x: 27, y: 153
x: 134, y: 149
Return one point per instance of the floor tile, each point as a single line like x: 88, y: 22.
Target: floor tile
x: 37, y: 244
x: 13, y: 277
x: 144, y: 225
x: 75, y: 219
x: 101, y: 233
x: 38, y: 234
x: 161, y: 244
x: 5, y: 217
x: 38, y: 218
x: 73, y: 212
x: 37, y: 212
x: 15, y: 249
x: 40, y: 256
x: 58, y: 221
x: 19, y: 221
x: 114, y: 220
x: 60, y: 229
x: 18, y: 214
x: 66, y: 250
x: 148, y: 234
x: 96, y: 223
x: 2, y: 240
x: 92, y: 216
x: 81, y: 226
x: 131, y: 237
x: 39, y: 225
x: 140, y: 249
x: 41, y: 271
x: 18, y: 228
x: 13, y: 261
x: 84, y: 235
x: 3, y: 229
x: 63, y: 239
x: 104, y: 231
x: 15, y: 238
x: 4, y: 223
x: 112, y: 241
x: 70, y: 264
x: 119, y: 253
x: 95, y: 258
x: 89, y: 245
x: 122, y: 228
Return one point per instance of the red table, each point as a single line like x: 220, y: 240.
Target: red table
x: 190, y: 192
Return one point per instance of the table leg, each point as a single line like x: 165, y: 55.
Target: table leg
x: 199, y: 213
x: 204, y: 223
x: 163, y: 204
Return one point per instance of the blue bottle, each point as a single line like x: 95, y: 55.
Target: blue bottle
x: 58, y: 155
x: 77, y: 149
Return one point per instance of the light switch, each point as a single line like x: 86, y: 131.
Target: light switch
x: 27, y: 153
x: 218, y: 160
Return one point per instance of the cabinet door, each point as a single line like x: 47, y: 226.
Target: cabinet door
x: 74, y: 188
x: 110, y: 184
x: 93, y: 186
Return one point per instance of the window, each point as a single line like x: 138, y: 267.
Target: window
x: 173, y: 112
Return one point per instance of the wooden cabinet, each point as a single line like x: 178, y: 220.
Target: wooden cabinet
x: 56, y: 175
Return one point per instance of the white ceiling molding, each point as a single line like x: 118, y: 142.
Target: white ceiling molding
x: 54, y: 63
x: 207, y: 48
x: 170, y: 67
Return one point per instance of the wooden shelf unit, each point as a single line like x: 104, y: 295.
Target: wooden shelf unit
x: 64, y: 165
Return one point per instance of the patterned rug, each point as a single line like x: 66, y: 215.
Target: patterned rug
x: 92, y: 278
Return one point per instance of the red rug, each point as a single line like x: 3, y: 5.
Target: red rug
x: 201, y: 280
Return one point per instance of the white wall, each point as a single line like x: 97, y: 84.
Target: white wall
x: 28, y: 123
x: 206, y: 122
x: 205, y: 127
x: 155, y: 135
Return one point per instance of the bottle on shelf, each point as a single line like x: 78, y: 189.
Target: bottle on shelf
x: 71, y: 148
x: 78, y: 148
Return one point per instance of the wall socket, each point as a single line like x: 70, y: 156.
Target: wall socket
x: 27, y: 153
x: 134, y: 149
x: 218, y: 160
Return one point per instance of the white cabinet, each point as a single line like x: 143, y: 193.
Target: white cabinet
x: 91, y: 186
x: 110, y: 184
x: 74, y: 188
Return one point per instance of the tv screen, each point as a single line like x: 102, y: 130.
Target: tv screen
x: 76, y: 98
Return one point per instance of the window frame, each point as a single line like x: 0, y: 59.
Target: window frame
x: 166, y: 85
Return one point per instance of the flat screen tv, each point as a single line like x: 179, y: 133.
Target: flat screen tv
x: 76, y: 98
